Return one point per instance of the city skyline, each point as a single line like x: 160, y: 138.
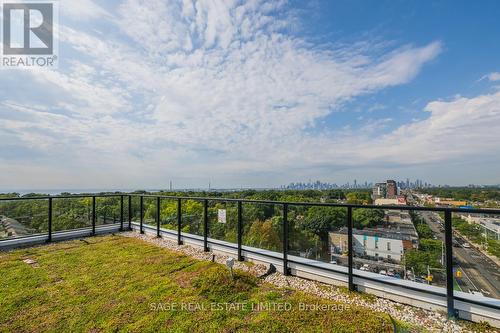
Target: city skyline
x: 253, y: 94
x: 305, y: 185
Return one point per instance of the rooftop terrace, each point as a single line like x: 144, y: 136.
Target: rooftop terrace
x: 115, y: 283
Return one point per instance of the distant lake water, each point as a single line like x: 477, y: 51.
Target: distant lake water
x: 59, y: 191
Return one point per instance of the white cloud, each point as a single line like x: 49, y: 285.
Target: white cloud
x: 82, y: 10
x: 206, y: 88
x: 458, y: 129
x: 494, y: 76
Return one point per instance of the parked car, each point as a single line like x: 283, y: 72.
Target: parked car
x: 383, y: 272
x: 365, y: 267
x: 390, y: 272
x: 333, y: 262
x: 466, y: 245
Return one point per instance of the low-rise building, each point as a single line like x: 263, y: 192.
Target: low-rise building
x: 399, y: 200
x: 376, y: 243
x: 388, y: 240
x: 449, y: 202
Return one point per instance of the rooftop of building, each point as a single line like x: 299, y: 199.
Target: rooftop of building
x: 116, y: 283
x: 377, y: 232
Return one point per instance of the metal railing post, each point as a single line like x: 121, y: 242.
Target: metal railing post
x: 205, y: 225
x: 286, y: 271
x: 129, y: 212
x: 93, y: 215
x: 141, y: 220
x: 350, y: 249
x: 448, y: 236
x: 179, y: 221
x: 121, y: 212
x: 158, y: 217
x: 50, y: 220
x: 240, y: 230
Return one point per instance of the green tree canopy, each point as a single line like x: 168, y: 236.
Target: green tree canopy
x: 363, y: 218
x: 321, y: 220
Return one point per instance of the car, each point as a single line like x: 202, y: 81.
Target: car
x: 383, y: 272
x: 334, y: 262
x: 365, y: 267
x: 466, y: 245
x: 390, y: 272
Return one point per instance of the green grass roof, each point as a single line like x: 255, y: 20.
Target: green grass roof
x: 114, y: 283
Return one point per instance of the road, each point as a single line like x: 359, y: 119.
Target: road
x: 479, y: 272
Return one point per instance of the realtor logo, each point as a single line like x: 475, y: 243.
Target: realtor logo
x: 28, y: 35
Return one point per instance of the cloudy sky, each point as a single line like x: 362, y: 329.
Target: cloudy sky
x: 257, y: 93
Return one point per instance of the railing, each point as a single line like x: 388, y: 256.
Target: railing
x: 126, y: 204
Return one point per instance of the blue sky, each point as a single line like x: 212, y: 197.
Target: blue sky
x: 255, y: 93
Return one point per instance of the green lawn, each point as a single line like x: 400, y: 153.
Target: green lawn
x: 114, y: 283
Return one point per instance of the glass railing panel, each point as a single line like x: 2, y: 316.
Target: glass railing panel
x: 263, y: 226
x: 168, y: 213
x: 21, y: 218
x: 107, y: 210
x: 223, y: 220
x: 71, y: 213
x: 318, y: 233
x: 476, y: 255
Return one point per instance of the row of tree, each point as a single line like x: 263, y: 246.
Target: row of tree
x: 429, y: 252
x: 262, y: 223
x: 467, y: 193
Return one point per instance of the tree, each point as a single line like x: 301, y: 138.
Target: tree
x: 358, y: 198
x: 424, y: 231
x: 363, y: 218
x: 419, y: 260
x: 264, y: 235
x: 321, y: 220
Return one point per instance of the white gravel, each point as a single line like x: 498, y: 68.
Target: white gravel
x: 427, y: 320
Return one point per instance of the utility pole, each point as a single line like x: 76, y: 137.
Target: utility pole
x: 404, y: 266
x: 485, y: 238
x: 442, y: 253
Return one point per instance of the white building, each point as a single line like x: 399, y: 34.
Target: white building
x: 373, y: 243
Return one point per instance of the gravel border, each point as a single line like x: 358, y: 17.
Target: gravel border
x: 420, y: 318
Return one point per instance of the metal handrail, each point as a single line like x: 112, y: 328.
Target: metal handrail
x: 285, y: 204
x: 269, y: 202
